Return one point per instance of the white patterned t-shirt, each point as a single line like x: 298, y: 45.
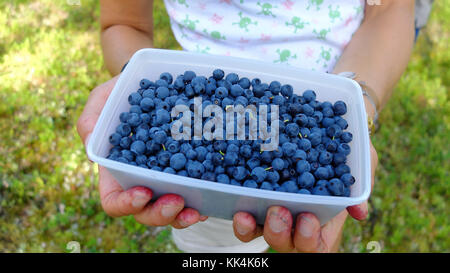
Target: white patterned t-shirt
x: 309, y: 34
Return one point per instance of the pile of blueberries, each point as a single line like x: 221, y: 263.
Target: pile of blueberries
x: 310, y: 159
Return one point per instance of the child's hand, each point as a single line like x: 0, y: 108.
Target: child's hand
x: 306, y: 234
x: 168, y: 209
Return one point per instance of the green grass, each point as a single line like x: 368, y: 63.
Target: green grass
x: 49, y: 62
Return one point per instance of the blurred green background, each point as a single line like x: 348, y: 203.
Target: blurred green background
x: 50, y: 59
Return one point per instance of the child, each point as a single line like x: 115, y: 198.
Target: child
x: 372, y: 41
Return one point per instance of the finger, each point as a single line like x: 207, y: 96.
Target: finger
x: 162, y: 212
x: 307, y: 233
x: 185, y: 218
x: 203, y: 218
x: 245, y: 227
x: 94, y: 105
x: 117, y: 202
x: 277, y: 229
x: 360, y: 211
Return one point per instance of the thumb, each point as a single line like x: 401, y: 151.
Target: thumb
x: 97, y: 99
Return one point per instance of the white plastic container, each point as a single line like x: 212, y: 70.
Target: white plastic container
x: 221, y: 200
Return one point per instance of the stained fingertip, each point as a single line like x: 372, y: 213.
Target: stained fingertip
x: 244, y: 223
x: 203, y: 218
x: 358, y: 212
x: 186, y: 218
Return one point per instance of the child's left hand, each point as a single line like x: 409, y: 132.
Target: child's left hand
x: 306, y: 235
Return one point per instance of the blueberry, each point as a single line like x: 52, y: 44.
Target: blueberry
x: 209, y: 176
x: 115, y: 138
x: 161, y: 83
x: 252, y: 163
x: 142, y: 135
x: 138, y: 147
x: 347, y: 179
x: 303, y: 166
x: 320, y: 190
x: 250, y: 184
x: 292, y: 130
x: 304, y: 191
x: 259, y: 174
x: 309, y: 95
x: 305, y: 144
x: 162, y: 92
x: 123, y: 129
x: 318, y: 116
x: 325, y: 158
x: 134, y: 98
x: 332, y: 146
x: 278, y: 164
x: 344, y: 148
x: 167, y: 77
x: 266, y: 186
x: 152, y: 161
x: 223, y: 178
x: 273, y: 177
x: 162, y: 116
x: 124, y: 117
x: 169, y: 170
x: 173, y: 147
x: 221, y: 92
x: 335, y: 187
x: 341, y: 169
x: 290, y: 186
x: 334, y: 131
x: 209, y: 166
x: 287, y: 90
x: 195, y: 169
x: 301, y: 119
x: 300, y: 155
x: 233, y: 78
x: 315, y: 139
x: 341, y: 122
x: 289, y: 149
x: 321, y: 173
x: 244, y: 83
x: 339, y: 158
x: 340, y: 108
x: 125, y: 142
x: 275, y: 87
x: 218, y: 74
x: 306, y: 180
x: 144, y: 83
x: 160, y: 137
x: 141, y: 159
x: 239, y: 173
x: 328, y: 112
x: 188, y: 76
x: 307, y: 110
x: 327, y: 122
x: 177, y: 161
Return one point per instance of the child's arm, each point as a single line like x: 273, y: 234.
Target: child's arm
x: 126, y: 26
x: 378, y: 53
x: 379, y: 50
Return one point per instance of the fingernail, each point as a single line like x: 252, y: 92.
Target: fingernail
x: 240, y: 229
x: 139, y: 199
x: 276, y: 223
x: 306, y: 226
x: 169, y: 211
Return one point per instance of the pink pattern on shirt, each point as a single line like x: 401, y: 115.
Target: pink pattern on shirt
x: 265, y: 37
x: 225, y: 1
x: 309, y: 52
x: 202, y: 5
x: 243, y: 41
x: 217, y: 19
x: 348, y: 21
x: 288, y: 4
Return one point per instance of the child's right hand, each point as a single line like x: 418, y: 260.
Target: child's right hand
x: 167, y: 209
